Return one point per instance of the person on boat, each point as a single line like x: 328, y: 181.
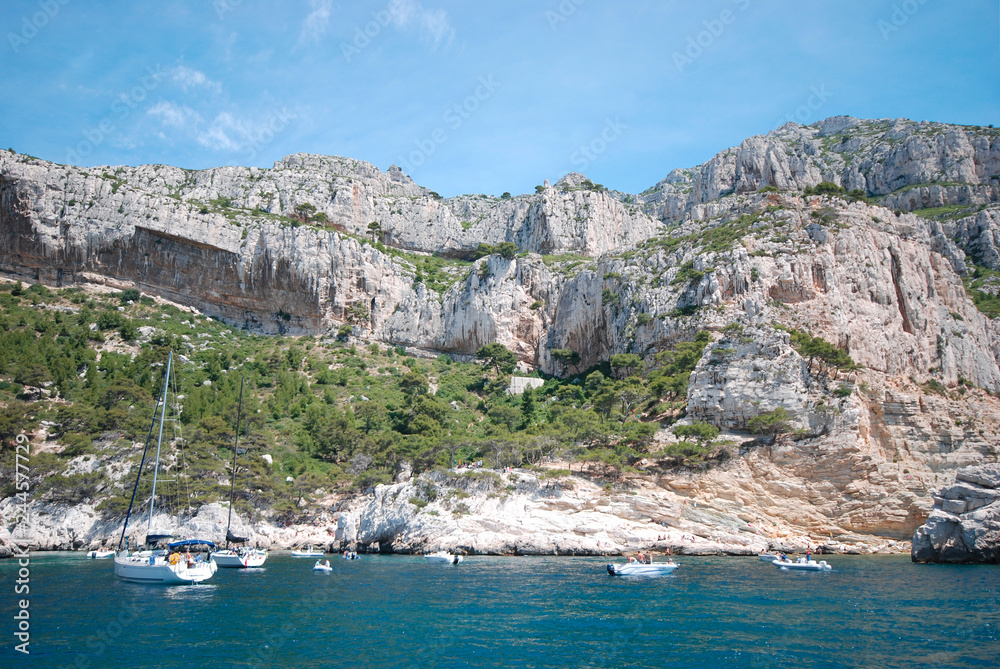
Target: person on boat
x: 809, y: 555
x: 784, y: 558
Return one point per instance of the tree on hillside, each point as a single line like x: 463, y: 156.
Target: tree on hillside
x: 358, y: 313
x: 304, y: 211
x: 566, y: 357
x: 772, y: 423
x: 499, y: 357
x: 630, y: 393
x: 624, y: 365
x: 700, y: 430
x: 413, y: 385
x: 507, y: 250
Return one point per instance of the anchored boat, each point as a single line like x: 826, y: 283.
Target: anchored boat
x: 441, y: 557
x: 642, y: 569
x: 156, y: 563
x: 802, y: 564
x: 244, y: 556
x: 100, y: 554
x: 307, y: 553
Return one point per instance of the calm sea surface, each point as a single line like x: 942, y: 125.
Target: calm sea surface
x: 399, y: 611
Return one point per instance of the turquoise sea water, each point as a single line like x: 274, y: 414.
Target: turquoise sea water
x: 399, y: 611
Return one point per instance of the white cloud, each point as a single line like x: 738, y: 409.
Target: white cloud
x: 315, y: 25
x: 188, y: 78
x: 174, y: 115
x: 226, y: 133
x: 434, y: 24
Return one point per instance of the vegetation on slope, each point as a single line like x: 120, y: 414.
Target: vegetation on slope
x: 335, y: 417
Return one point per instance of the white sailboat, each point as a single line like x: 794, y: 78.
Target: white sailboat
x: 244, y: 556
x: 158, y: 564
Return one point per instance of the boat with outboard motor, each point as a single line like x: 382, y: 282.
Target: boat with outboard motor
x: 802, y: 564
x: 768, y: 557
x: 307, y: 553
x: 442, y: 557
x: 95, y: 555
x: 642, y: 568
x: 156, y: 563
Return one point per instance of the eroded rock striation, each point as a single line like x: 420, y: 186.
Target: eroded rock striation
x: 964, y: 526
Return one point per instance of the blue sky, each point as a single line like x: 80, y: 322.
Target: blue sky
x: 476, y: 97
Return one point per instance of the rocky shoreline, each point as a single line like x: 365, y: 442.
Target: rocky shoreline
x: 476, y: 512
x: 964, y: 525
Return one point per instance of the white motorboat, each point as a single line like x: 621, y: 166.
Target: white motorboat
x: 768, y: 557
x: 240, y: 558
x: 442, y: 557
x: 307, y: 553
x: 156, y: 564
x: 322, y: 566
x: 802, y: 564
x: 100, y: 554
x: 642, y: 569
x: 243, y: 557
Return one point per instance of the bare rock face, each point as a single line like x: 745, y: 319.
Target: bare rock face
x: 747, y: 374
x: 898, y: 159
x: 517, y: 513
x: 293, y: 248
x: 964, y: 526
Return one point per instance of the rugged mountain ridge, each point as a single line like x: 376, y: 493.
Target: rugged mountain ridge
x: 735, y: 242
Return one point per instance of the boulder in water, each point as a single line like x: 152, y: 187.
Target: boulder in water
x: 964, y: 525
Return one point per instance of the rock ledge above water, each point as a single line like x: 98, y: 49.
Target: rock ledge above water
x: 964, y: 525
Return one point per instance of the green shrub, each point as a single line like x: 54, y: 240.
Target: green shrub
x: 699, y: 430
x: 771, y: 423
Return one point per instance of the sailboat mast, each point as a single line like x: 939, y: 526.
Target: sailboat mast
x: 236, y: 449
x: 159, y: 442
x: 145, y: 450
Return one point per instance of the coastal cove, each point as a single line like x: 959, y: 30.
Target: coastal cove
x: 525, y: 612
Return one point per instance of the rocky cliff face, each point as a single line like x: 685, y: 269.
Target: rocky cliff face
x: 882, y: 158
x: 603, y: 273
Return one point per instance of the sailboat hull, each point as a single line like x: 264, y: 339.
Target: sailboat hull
x: 157, y: 570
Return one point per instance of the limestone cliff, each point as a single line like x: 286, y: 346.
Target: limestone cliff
x: 294, y: 248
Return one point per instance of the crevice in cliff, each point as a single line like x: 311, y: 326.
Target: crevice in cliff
x: 900, y: 302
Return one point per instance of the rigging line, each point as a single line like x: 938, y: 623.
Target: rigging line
x: 179, y: 437
x: 145, y: 448
x: 159, y: 442
x: 236, y: 450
